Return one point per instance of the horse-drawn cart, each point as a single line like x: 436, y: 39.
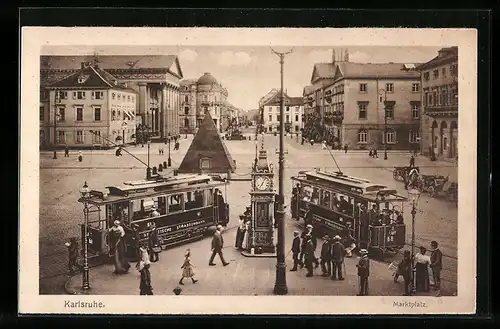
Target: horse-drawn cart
x: 402, y: 173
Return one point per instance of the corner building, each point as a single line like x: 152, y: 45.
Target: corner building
x: 440, y: 98
x: 349, y: 99
x: 155, y: 79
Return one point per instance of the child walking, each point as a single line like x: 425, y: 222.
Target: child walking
x: 187, y: 268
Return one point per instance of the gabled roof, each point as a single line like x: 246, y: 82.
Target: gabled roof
x: 376, y: 70
x: 207, y: 144
x: 111, y: 62
x: 88, y: 77
x: 323, y: 71
x: 291, y: 101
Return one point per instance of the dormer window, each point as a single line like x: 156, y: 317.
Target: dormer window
x: 83, y: 78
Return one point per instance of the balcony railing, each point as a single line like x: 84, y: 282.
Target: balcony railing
x: 437, y: 109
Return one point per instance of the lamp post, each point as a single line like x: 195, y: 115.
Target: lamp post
x: 413, y: 196
x: 169, y: 160
x: 280, y: 286
x: 385, y: 121
x: 57, y: 99
x: 148, y: 170
x: 85, y: 192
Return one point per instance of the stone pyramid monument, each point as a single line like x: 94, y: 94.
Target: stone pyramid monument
x: 207, y: 152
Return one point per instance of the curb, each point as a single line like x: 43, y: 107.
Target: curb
x: 245, y: 253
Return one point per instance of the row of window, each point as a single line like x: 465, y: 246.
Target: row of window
x: 389, y: 87
x: 414, y: 136
x: 436, y: 73
x: 443, y: 96
x: 79, y: 137
x: 82, y: 94
x: 287, y: 108
x: 389, y: 111
x: 79, y: 111
x: 278, y: 118
x: 270, y: 128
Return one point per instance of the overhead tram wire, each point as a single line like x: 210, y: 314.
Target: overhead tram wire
x: 331, y: 154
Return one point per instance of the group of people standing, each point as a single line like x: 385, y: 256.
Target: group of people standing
x: 333, y: 253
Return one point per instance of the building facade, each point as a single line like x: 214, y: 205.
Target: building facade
x: 293, y: 111
x: 366, y: 105
x: 88, y: 100
x: 200, y: 96
x: 155, y: 79
x: 439, y: 79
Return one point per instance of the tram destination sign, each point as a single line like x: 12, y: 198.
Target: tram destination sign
x: 177, y: 227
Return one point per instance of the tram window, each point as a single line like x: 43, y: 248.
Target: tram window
x: 208, y: 197
x: 306, y: 194
x: 162, y: 205
x: 326, y: 199
x: 175, y: 203
x: 315, y: 196
x: 193, y: 200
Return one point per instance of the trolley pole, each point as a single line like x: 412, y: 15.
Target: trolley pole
x: 280, y: 287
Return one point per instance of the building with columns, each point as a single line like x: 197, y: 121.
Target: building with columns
x: 439, y: 125
x: 351, y: 102
x: 200, y: 96
x: 155, y: 79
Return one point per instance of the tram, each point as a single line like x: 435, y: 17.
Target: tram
x: 185, y: 207
x: 371, y: 213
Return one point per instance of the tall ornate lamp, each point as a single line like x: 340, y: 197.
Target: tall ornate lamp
x: 413, y: 196
x: 85, y: 193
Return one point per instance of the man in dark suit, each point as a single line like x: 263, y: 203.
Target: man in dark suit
x: 326, y: 264
x: 436, y: 264
x: 363, y: 272
x: 309, y: 255
x: 337, y: 254
x: 217, y: 245
x: 296, y: 251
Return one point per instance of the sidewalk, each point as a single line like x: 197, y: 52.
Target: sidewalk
x: 243, y: 276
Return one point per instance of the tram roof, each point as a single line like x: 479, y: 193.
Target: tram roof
x: 143, y: 188
x: 348, y: 184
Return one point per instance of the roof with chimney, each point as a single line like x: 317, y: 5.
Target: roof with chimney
x: 114, y: 62
x: 445, y: 55
x: 207, y: 150
x: 89, y: 77
x: 290, y: 101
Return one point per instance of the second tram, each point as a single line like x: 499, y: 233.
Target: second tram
x: 339, y: 204
x: 183, y: 208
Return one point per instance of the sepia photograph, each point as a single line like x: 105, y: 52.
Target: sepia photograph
x: 298, y: 170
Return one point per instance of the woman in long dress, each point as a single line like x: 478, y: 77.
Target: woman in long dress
x: 187, y: 268
x: 245, y: 244
x: 117, y: 234
x: 422, y: 270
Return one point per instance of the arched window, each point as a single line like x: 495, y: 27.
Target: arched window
x: 391, y: 136
x: 362, y: 136
x: 186, y: 110
x: 113, y: 115
x: 186, y: 98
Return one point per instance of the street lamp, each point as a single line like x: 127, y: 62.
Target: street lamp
x: 413, y: 196
x: 85, y: 192
x: 148, y: 170
x: 385, y: 121
x: 169, y: 160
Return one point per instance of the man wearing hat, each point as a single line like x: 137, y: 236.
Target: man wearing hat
x: 309, y: 230
x: 154, y: 243
x: 326, y: 257
x: 217, y: 245
x: 337, y: 254
x: 363, y: 272
x: 309, y: 255
x: 145, y: 287
x: 296, y: 251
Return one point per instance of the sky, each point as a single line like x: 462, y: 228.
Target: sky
x: 249, y: 73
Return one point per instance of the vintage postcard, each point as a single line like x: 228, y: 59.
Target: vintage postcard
x: 248, y: 171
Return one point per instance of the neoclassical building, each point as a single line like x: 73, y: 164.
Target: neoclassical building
x: 155, y: 79
x: 204, y: 95
x: 439, y: 78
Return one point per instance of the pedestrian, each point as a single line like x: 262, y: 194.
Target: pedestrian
x: 375, y: 154
x: 405, y: 270
x: 337, y: 252
x: 72, y: 246
x: 187, y: 268
x: 349, y: 243
x: 80, y: 156
x: 345, y: 148
x: 217, y: 245
x: 436, y: 264
x: 370, y: 154
x: 117, y: 237
x: 240, y: 233
x: 296, y: 251
x: 159, y: 150
x: 323, y: 145
x: 363, y: 272
x: 412, y: 161
x: 145, y: 287
x: 312, y: 142
x: 118, y: 152
x: 176, y: 146
x: 326, y: 259
x: 143, y: 252
x: 154, y: 243
x: 302, y: 141
x: 66, y: 151
x: 422, y: 270
x: 309, y: 255
x: 308, y: 216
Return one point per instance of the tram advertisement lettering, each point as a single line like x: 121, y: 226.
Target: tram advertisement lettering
x: 328, y: 223
x: 173, y: 228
